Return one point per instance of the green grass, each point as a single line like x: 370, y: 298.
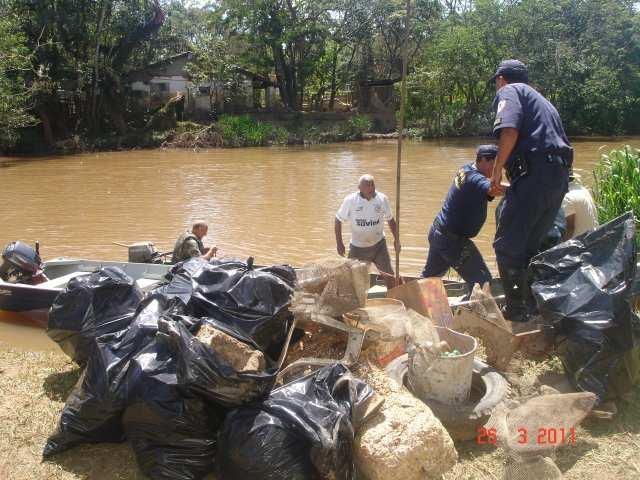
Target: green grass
x: 616, y: 189
x: 243, y: 131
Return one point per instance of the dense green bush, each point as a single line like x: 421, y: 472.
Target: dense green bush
x: 244, y: 131
x: 355, y: 127
x: 616, y: 189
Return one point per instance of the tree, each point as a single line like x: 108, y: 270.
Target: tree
x: 284, y: 35
x: 14, y: 95
x: 215, y: 56
x: 84, y: 48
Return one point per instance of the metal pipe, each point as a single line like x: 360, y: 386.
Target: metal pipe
x: 403, y: 97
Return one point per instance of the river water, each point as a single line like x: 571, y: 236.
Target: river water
x: 276, y: 203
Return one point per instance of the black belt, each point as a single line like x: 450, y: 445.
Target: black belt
x: 521, y: 164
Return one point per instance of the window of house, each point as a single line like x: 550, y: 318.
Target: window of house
x: 160, y: 87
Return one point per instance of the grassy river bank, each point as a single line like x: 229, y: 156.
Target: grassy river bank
x: 35, y: 385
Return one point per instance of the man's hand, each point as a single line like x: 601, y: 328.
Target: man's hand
x: 210, y: 253
x: 396, y: 245
x: 497, y: 192
x: 496, y: 179
x: 341, y: 249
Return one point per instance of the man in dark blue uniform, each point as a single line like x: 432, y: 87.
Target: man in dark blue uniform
x: 461, y: 218
x: 536, y: 154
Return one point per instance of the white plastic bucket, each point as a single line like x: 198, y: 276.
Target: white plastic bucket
x: 446, y: 379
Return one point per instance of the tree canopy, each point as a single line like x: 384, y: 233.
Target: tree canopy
x: 584, y: 55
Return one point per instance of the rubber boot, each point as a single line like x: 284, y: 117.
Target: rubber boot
x: 514, y: 283
x: 529, y: 299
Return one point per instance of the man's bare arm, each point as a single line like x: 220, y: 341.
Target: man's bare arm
x: 339, y: 242
x: 393, y: 226
x: 506, y: 144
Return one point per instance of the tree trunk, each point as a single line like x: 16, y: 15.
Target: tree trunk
x: 96, y: 68
x: 281, y: 75
x: 46, y: 128
x: 334, y: 67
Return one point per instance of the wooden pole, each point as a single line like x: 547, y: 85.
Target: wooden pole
x: 403, y: 98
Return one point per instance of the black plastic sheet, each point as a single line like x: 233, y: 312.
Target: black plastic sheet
x: 172, y: 433
x: 304, y: 430
x: 148, y: 379
x: 253, y: 301
x: 203, y: 371
x: 93, y: 411
x: 583, y: 287
x: 92, y: 305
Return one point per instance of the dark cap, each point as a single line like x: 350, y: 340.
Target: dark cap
x: 490, y: 151
x: 513, y: 69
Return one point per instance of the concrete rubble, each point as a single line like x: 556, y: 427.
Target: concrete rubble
x: 403, y: 439
x: 239, y: 355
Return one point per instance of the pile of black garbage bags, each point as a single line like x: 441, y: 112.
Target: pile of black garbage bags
x: 583, y: 288
x: 183, y: 406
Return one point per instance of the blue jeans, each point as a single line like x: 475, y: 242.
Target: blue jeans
x: 460, y: 253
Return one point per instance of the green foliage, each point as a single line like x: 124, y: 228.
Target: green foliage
x: 243, y: 131
x: 617, y: 184
x: 355, y: 127
x: 584, y: 56
x: 14, y: 63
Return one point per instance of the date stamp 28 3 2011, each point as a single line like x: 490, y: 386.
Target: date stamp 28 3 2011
x: 544, y: 435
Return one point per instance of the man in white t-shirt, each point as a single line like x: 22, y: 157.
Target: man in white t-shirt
x: 579, y: 209
x: 366, y: 210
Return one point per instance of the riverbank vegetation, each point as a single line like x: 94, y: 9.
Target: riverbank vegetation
x: 68, y: 67
x: 616, y: 187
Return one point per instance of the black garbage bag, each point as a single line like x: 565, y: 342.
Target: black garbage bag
x: 92, y: 305
x: 172, y: 433
x: 252, y: 301
x: 93, y: 411
x: 304, y: 430
x: 234, y: 374
x: 583, y: 288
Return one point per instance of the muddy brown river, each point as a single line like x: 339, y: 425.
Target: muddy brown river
x: 276, y: 204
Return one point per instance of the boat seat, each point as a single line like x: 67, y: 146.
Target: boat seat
x: 60, y: 282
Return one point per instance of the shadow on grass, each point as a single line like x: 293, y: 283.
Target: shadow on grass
x: 627, y: 420
x: 569, y: 455
x: 58, y: 385
x: 103, y: 461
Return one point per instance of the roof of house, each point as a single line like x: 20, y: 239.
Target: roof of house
x: 170, y: 66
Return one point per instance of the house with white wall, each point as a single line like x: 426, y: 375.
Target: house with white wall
x: 158, y: 82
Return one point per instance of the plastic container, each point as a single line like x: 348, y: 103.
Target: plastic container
x: 446, y: 379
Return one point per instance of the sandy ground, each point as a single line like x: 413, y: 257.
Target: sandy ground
x: 34, y: 385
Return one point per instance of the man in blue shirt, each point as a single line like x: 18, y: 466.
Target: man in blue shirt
x: 461, y: 218
x: 536, y: 154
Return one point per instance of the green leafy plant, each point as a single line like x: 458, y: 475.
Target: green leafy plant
x: 244, y: 131
x: 616, y: 189
x: 355, y: 127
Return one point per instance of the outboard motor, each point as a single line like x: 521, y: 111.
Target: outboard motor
x: 21, y: 263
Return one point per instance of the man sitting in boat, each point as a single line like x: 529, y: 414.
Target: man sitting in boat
x: 460, y: 219
x: 366, y: 210
x: 190, y: 245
